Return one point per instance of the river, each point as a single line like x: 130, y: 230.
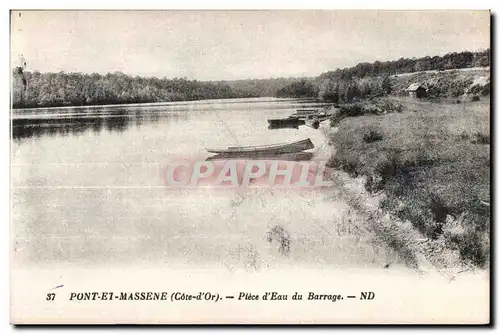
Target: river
x: 87, y: 190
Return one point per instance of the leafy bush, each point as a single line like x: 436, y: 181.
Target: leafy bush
x: 459, y: 86
x: 439, y: 210
x: 372, y: 136
x: 387, y: 166
x: 464, y: 136
x: 374, y: 183
x: 468, y: 235
x: 486, y: 89
x: 476, y: 89
x: 352, y: 110
x: 335, y: 121
x: 434, y: 92
x: 349, y: 164
x: 481, y: 138
x: 377, y: 106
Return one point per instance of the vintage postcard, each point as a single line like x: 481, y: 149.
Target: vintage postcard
x: 250, y: 167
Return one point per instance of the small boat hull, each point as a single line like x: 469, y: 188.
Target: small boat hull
x: 275, y: 149
x: 301, y: 113
x: 299, y: 156
x: 307, y: 111
x: 285, y: 122
x: 317, y: 116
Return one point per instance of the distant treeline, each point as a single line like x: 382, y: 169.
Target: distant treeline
x: 302, y: 88
x: 338, y: 90
x: 35, y: 89
x: 372, y: 79
x: 405, y: 65
x: 259, y: 87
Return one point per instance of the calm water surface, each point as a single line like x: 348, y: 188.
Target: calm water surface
x: 87, y: 190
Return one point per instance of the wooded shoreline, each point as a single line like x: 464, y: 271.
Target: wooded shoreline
x: 36, y: 90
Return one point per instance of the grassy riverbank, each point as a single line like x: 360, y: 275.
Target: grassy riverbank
x: 432, y: 162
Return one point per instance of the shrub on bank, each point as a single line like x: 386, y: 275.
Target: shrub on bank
x: 486, y: 90
x: 481, y: 138
x: 469, y: 237
x: 372, y: 136
x: 378, y: 106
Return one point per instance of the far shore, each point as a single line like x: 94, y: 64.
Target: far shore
x: 167, y: 103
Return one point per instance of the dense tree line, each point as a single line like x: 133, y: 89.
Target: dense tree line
x: 302, y: 88
x: 35, y: 89
x: 372, y: 79
x: 260, y: 87
x: 339, y: 91
x: 406, y: 65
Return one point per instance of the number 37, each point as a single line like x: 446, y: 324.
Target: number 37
x: 51, y: 296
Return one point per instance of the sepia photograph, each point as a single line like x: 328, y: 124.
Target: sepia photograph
x: 250, y: 166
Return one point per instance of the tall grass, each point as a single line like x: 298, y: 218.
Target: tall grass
x: 433, y: 162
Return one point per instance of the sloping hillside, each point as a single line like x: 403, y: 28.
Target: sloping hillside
x: 446, y: 84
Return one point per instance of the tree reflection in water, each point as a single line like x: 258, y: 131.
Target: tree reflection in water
x: 111, y: 120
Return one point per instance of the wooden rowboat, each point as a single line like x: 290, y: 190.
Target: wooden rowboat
x: 307, y: 111
x: 284, y: 122
x: 298, y: 156
x: 274, y: 149
x: 303, y: 113
x: 322, y: 115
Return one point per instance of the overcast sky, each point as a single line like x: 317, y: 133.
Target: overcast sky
x: 210, y: 45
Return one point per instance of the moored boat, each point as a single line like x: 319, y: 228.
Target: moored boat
x: 283, y: 122
x: 298, y: 156
x: 307, y: 114
x: 274, y: 149
x: 304, y: 112
x: 285, y: 126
